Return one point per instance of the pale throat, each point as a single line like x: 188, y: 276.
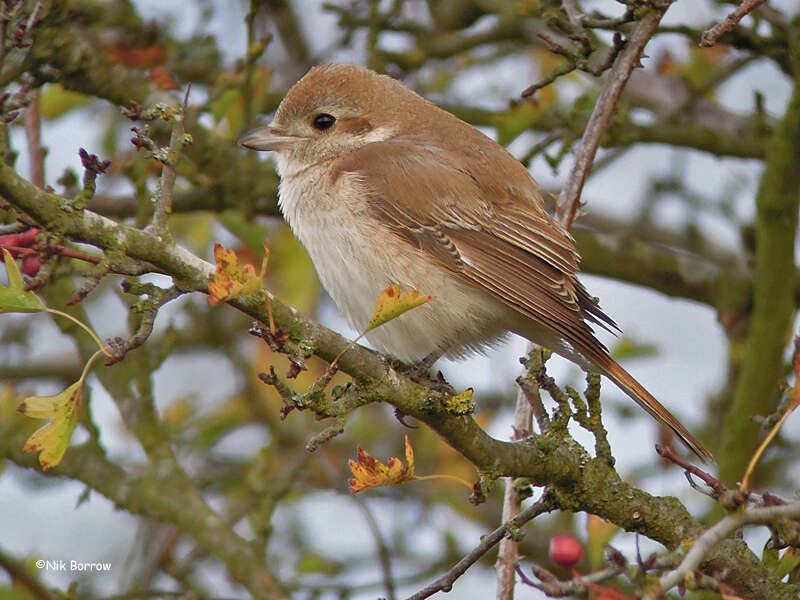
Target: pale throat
x: 289, y: 166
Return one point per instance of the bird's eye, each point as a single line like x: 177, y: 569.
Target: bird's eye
x: 323, y: 121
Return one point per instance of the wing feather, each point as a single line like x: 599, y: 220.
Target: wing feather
x: 507, y: 245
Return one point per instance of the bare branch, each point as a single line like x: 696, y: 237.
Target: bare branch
x: 508, y: 553
x: 445, y: 582
x: 714, y: 535
x: 627, y: 60
x: 710, y: 36
x: 552, y: 586
x: 33, y: 130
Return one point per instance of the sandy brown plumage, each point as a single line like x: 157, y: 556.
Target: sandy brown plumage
x: 404, y: 192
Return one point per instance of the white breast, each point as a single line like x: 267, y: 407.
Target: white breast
x: 356, y: 258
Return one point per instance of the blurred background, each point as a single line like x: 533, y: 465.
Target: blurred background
x: 667, y: 244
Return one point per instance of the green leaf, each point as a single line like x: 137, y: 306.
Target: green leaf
x: 223, y: 103
x: 14, y: 298
x: 788, y: 563
x: 512, y: 122
x: 56, y: 101
x: 628, y: 348
x: 292, y: 276
x: 771, y: 558
x: 252, y: 233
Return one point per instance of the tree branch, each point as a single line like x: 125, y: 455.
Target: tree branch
x: 710, y: 36
x: 445, y: 582
x: 773, y: 300
x: 579, y: 483
x: 703, y: 545
x: 627, y: 60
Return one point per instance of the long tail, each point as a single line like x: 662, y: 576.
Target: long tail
x: 645, y: 399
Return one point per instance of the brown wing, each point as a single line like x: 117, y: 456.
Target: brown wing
x: 438, y: 203
x: 508, y: 246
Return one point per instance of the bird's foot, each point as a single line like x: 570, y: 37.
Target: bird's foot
x: 421, y: 373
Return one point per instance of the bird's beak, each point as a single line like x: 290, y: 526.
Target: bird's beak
x: 269, y: 137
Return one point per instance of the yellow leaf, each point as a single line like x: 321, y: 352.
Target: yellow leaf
x: 51, y: 441
x: 369, y: 472
x: 14, y: 298
x: 393, y: 302
x: 599, y: 533
x: 232, y: 280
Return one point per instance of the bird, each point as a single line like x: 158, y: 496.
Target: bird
x: 381, y: 187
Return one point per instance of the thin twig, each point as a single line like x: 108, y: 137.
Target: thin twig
x: 559, y: 71
x: 33, y: 131
x: 508, y: 552
x: 542, y: 145
x: 528, y: 384
x: 552, y: 586
x: 710, y: 36
x: 718, y: 489
x: 383, y: 550
x: 169, y: 174
x: 714, y: 535
x: 627, y: 60
x: 445, y: 582
x: 574, y: 13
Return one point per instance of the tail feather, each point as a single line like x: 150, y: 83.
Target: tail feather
x: 645, y: 399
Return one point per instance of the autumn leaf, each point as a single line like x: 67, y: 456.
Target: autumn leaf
x: 162, y: 78
x: 137, y: 57
x: 369, y: 472
x: 393, y: 302
x: 14, y: 298
x: 232, y: 280
x: 601, y: 592
x: 51, y: 441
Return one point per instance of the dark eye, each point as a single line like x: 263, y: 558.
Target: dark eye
x: 323, y: 121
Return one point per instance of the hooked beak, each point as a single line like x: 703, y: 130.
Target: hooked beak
x: 269, y: 137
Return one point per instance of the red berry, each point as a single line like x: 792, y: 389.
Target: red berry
x: 31, y: 264
x: 9, y: 239
x: 28, y: 237
x: 565, y: 550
